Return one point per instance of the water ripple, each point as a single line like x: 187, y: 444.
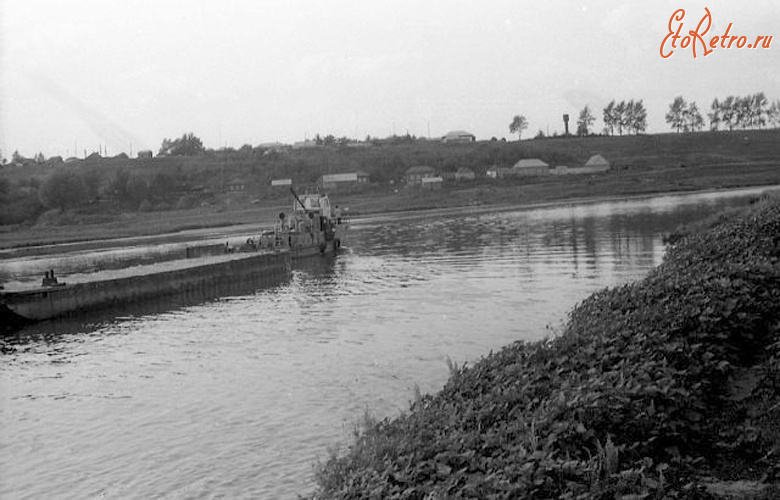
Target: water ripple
x: 237, y: 397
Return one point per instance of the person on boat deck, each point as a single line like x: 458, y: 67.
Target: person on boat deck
x: 280, y: 224
x: 298, y: 223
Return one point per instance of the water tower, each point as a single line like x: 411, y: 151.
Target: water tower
x: 566, y: 123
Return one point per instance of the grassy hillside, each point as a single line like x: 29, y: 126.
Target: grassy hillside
x: 665, y: 388
x: 121, y: 196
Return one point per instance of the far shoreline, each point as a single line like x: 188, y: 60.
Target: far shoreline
x: 589, y: 200
x: 29, y: 247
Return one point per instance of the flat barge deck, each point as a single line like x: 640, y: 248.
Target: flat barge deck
x: 207, y: 276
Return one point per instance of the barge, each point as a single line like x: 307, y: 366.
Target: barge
x: 314, y: 227
x: 205, y: 276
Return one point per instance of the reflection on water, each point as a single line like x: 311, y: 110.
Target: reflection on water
x: 238, y: 396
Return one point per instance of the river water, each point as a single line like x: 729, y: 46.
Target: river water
x: 239, y: 397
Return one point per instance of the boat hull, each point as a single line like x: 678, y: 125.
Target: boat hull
x: 205, y: 280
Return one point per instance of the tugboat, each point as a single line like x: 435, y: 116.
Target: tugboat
x: 313, y: 228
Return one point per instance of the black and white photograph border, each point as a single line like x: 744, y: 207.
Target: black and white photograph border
x: 267, y: 249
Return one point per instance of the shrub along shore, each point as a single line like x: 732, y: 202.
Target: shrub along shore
x: 668, y: 387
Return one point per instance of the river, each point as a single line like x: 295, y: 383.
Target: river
x: 239, y: 397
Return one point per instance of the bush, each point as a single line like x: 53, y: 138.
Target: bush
x: 146, y: 206
x: 186, y: 201
x: 641, y: 396
x: 62, y: 189
x: 19, y: 209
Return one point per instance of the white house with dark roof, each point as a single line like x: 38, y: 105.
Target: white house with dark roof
x: 458, y: 136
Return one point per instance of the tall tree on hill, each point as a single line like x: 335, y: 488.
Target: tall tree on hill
x: 773, y: 114
x: 693, y: 118
x: 585, y: 121
x: 186, y: 145
x: 760, y: 103
x: 637, y: 116
x: 519, y: 123
x: 743, y: 111
x: 620, y: 116
x: 728, y: 111
x: 609, y: 118
x: 714, y: 114
x: 676, y: 115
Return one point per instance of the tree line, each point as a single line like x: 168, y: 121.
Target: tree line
x: 744, y: 112
x: 733, y: 112
x: 629, y: 116
x: 750, y: 111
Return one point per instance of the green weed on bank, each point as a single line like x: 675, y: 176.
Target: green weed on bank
x: 650, y: 388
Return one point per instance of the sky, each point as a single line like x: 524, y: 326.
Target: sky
x: 122, y: 75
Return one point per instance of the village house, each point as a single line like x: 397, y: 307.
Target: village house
x: 431, y: 182
x: 415, y: 175
x: 281, y: 182
x: 307, y: 143
x: 529, y: 167
x: 448, y: 175
x: 458, y: 136
x: 465, y: 174
x: 54, y: 161
x: 332, y: 181
x: 235, y: 185
x: 272, y: 147
x: 495, y: 172
x: 145, y: 155
x: 594, y: 165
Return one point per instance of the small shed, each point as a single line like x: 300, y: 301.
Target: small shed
x: 597, y: 163
x: 362, y: 177
x: 494, y: 171
x: 465, y: 174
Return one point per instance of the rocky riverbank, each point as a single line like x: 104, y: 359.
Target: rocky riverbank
x: 668, y: 387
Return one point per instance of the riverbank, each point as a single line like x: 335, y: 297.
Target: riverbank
x: 487, y: 194
x: 666, y: 387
